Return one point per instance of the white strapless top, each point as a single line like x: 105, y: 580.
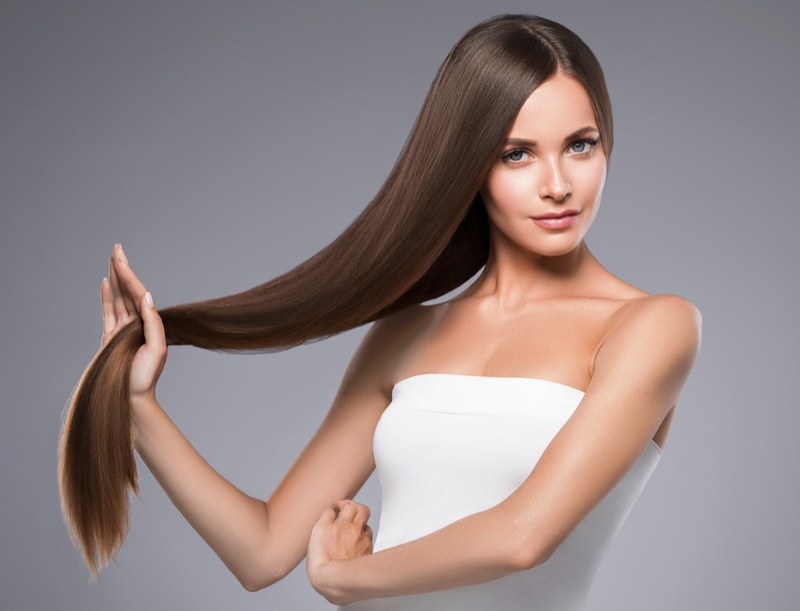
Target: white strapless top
x: 452, y: 445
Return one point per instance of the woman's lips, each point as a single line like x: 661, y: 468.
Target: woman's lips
x: 558, y: 222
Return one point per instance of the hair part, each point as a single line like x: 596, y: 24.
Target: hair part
x: 424, y: 234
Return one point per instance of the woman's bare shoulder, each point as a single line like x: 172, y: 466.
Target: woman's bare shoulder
x: 663, y: 322
x: 388, y: 342
x: 631, y: 302
x: 658, y: 308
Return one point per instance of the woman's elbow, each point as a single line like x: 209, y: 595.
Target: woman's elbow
x: 255, y: 580
x: 255, y: 583
x: 253, y: 586
x: 525, y: 553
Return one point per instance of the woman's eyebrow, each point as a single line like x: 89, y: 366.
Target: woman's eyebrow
x: 581, y: 132
x: 532, y: 143
x: 521, y: 142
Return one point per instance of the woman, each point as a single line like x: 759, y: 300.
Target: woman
x: 513, y: 426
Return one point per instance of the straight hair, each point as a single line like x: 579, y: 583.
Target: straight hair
x: 424, y: 234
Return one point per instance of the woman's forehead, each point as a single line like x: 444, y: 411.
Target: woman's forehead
x: 558, y: 107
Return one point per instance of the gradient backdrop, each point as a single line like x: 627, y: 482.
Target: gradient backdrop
x: 223, y: 143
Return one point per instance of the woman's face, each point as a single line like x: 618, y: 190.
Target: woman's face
x: 552, y: 165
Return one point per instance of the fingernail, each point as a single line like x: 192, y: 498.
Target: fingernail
x: 149, y: 299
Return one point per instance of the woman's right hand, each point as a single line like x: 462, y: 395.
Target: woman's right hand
x: 125, y: 298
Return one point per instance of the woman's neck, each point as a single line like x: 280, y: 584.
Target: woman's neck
x: 513, y: 279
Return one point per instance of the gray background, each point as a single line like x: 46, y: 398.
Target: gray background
x: 222, y: 143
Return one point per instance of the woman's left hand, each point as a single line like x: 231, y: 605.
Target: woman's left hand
x: 341, y: 534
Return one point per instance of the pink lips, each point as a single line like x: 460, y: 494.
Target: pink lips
x: 557, y: 220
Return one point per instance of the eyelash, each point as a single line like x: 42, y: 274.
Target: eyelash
x: 507, y: 156
x: 591, y: 142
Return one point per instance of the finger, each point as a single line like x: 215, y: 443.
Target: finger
x: 154, y: 336
x: 347, y: 512
x: 339, y: 505
x: 132, y: 288
x: 362, y: 511
x: 362, y: 514
x: 120, y: 310
x: 367, y: 531
x: 328, y: 516
x: 107, y: 302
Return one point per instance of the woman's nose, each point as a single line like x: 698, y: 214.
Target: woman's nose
x: 554, y: 183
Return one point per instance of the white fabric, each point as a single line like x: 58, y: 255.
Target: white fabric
x: 451, y: 445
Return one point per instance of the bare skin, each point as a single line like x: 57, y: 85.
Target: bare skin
x: 543, y: 308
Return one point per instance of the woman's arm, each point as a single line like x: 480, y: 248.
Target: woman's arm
x: 639, y: 372
x: 259, y: 541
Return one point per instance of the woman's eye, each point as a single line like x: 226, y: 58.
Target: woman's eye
x: 582, y: 146
x: 515, y: 156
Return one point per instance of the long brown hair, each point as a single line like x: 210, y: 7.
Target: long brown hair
x: 424, y: 234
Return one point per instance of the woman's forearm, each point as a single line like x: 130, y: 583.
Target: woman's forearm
x: 235, y: 525
x: 475, y: 549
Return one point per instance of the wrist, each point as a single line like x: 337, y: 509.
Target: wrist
x: 332, y: 583
x: 144, y: 411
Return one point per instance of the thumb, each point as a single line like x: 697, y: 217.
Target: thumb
x: 153, y: 327
x: 328, y: 516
